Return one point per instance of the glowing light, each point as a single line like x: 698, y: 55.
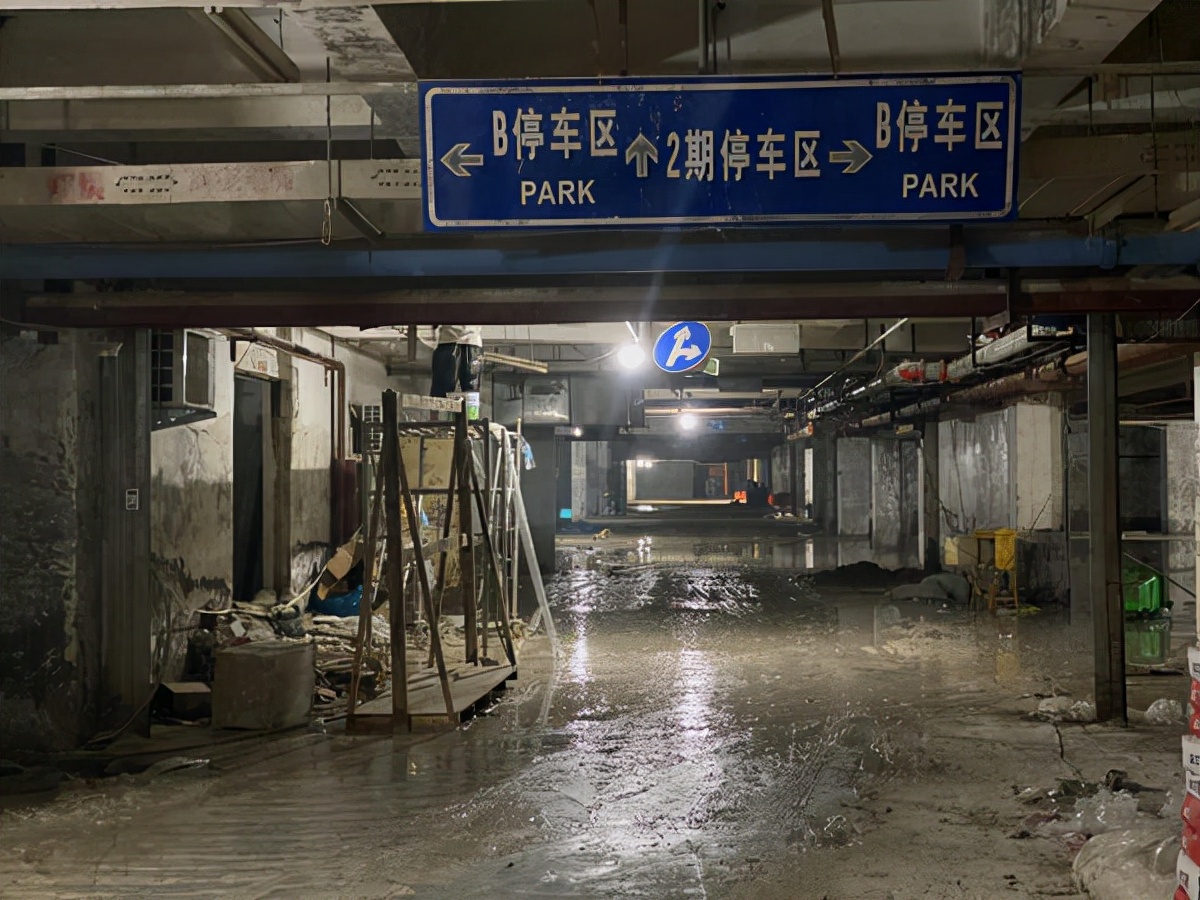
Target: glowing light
x: 688, y: 421
x: 631, y: 356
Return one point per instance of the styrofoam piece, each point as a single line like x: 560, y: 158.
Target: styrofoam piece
x: 1191, y: 844
x: 1191, y: 782
x: 1191, y: 752
x: 1188, y: 874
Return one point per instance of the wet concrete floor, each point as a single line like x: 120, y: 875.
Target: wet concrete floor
x: 715, y: 727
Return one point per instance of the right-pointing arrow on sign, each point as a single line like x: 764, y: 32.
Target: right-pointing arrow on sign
x: 855, y: 156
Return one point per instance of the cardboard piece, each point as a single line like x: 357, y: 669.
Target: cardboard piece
x: 344, y: 559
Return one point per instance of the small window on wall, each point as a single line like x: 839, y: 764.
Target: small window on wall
x: 367, y: 428
x: 182, y: 376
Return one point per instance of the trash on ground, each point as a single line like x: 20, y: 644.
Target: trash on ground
x: 1164, y: 712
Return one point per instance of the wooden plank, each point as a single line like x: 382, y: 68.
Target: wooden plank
x: 368, y: 593
x: 433, y: 404
x: 465, y: 461
x: 469, y: 686
x: 436, y: 462
x: 472, y: 685
x: 435, y: 637
x: 395, y: 561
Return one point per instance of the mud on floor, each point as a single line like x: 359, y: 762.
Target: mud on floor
x: 712, y: 728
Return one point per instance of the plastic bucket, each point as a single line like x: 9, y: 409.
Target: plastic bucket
x: 472, y: 398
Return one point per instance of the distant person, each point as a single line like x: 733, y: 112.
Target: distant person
x: 457, y: 359
x: 756, y: 494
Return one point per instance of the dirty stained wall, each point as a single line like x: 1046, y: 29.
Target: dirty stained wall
x: 1038, y: 460
x: 192, y: 496
x: 191, y: 537
x: 975, y: 463
x: 1183, y: 489
x: 49, y: 544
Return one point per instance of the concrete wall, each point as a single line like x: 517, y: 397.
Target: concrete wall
x: 49, y: 543
x: 1183, y: 489
x: 975, y: 472
x: 539, y: 487
x: 191, y: 508
x: 854, y: 487
x: 670, y: 479
x: 598, y: 463
x: 1038, y: 461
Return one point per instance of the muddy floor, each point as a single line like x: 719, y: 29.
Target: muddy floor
x: 716, y: 726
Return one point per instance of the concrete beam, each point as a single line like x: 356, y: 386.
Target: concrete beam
x: 490, y: 305
x: 359, y: 46
x: 297, y: 118
x: 1098, y: 156
x: 208, y: 91
x: 210, y: 183
x: 289, y: 6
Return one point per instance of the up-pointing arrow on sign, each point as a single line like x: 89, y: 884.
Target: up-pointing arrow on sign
x: 457, y: 159
x: 855, y: 154
x: 642, y: 150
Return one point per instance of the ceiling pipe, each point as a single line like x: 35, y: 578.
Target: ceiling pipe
x: 1060, y: 375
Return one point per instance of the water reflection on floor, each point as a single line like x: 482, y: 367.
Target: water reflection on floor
x: 720, y: 723
x: 817, y: 553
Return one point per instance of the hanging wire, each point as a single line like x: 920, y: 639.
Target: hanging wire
x: 327, y: 219
x: 327, y: 223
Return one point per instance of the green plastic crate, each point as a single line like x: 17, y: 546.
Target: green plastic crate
x: 1148, y: 641
x: 1142, y: 589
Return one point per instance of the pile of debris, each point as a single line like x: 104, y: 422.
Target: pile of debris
x: 263, y: 620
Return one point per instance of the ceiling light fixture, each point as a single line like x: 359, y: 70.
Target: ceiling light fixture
x: 631, y: 356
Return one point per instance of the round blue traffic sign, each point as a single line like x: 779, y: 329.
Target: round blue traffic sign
x: 682, y: 347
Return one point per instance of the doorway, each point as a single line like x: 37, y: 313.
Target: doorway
x: 251, y: 417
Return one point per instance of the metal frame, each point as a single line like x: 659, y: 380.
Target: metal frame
x: 392, y: 548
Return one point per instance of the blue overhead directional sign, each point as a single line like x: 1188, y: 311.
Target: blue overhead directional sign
x: 682, y: 347
x: 703, y: 151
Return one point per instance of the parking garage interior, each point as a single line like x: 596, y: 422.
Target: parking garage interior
x: 813, y: 552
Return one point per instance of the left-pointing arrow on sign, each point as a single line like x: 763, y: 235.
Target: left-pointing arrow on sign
x: 457, y: 159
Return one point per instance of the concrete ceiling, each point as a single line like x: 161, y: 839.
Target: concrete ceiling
x: 1126, y: 151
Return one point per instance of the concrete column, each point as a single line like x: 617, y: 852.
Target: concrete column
x: 824, y: 498
x: 579, y: 480
x: 1108, y: 613
x: 931, y: 504
x: 796, y: 459
x: 125, y: 515
x: 539, y: 486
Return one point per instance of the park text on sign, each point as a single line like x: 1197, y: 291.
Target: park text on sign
x: 719, y: 151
